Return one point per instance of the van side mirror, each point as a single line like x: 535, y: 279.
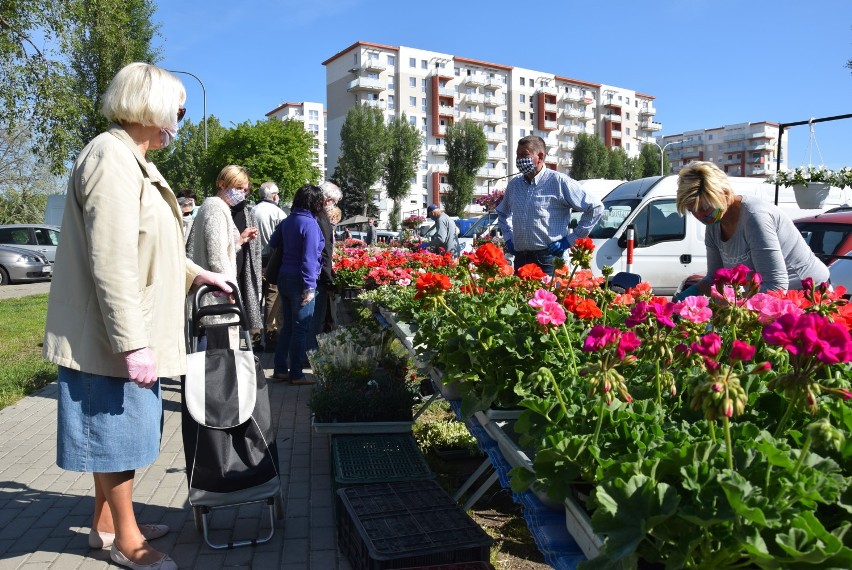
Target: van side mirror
x: 622, y: 241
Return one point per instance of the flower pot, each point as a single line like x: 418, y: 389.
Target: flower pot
x: 811, y: 196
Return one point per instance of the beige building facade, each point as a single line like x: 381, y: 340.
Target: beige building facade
x: 314, y: 117
x: 436, y: 89
x: 743, y: 149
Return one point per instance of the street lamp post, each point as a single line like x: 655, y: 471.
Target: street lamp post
x: 203, y: 97
x: 662, y: 150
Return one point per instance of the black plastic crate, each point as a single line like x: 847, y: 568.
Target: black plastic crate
x: 378, y: 459
x: 406, y: 524
x: 454, y: 566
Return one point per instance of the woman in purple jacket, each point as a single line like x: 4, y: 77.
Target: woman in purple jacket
x: 301, y: 244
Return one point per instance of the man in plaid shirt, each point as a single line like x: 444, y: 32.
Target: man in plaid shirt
x: 536, y: 210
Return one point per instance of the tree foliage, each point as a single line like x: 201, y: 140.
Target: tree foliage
x: 402, y: 157
x: 25, y: 182
x: 617, y: 164
x: 590, y: 158
x: 105, y: 35
x: 276, y: 150
x: 650, y: 156
x: 467, y: 151
x: 184, y: 162
x: 364, y: 146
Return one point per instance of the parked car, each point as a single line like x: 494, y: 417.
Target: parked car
x: 38, y: 238
x: 20, y: 265
x: 829, y: 234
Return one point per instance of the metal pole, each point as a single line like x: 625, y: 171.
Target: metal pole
x: 203, y: 97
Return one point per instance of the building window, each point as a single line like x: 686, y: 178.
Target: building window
x: 412, y: 82
x: 627, y: 115
x: 627, y: 145
x: 372, y: 75
x: 523, y: 116
x: 423, y: 85
x: 470, y: 90
x: 391, y: 86
x: 423, y: 105
x: 372, y: 55
x: 424, y: 64
x: 412, y: 62
x: 412, y: 101
x: 391, y: 60
x: 424, y: 165
x: 391, y: 102
x: 523, y: 98
x: 628, y: 131
x: 412, y: 120
x: 523, y: 81
x: 523, y: 133
x: 313, y: 115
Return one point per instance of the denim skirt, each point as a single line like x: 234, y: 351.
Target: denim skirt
x: 106, y: 424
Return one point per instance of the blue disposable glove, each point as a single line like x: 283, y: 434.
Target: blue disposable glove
x: 690, y: 291
x: 510, y: 246
x: 560, y: 246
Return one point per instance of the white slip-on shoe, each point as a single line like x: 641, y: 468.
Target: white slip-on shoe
x: 105, y: 539
x: 165, y: 563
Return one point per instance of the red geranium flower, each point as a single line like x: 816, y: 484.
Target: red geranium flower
x: 432, y: 284
x: 531, y: 272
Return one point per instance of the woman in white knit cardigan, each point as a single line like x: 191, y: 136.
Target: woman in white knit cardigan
x: 215, y: 238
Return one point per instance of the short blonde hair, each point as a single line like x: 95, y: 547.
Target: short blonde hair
x: 144, y: 94
x: 231, y: 176
x: 701, y: 185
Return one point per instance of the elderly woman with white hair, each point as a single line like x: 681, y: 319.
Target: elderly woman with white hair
x: 115, y: 319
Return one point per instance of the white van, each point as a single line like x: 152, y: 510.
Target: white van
x: 669, y: 247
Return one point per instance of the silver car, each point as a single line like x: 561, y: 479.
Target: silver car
x: 39, y: 238
x: 20, y: 265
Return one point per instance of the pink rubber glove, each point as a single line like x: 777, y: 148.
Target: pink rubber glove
x: 141, y: 366
x: 215, y: 279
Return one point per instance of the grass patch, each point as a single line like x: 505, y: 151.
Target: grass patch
x: 23, y: 371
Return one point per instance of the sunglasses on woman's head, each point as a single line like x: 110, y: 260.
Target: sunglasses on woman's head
x: 181, y: 113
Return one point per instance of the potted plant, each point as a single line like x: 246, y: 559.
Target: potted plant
x: 812, y: 184
x: 413, y: 222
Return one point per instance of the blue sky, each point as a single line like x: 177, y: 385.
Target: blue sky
x: 707, y: 62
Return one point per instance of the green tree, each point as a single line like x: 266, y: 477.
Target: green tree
x: 590, y: 158
x: 403, y: 154
x: 184, y: 162
x: 25, y: 181
x: 271, y: 150
x: 105, y: 36
x: 354, y: 199
x: 632, y: 167
x: 617, y: 164
x: 650, y: 156
x: 36, y: 93
x: 364, y: 146
x: 467, y: 151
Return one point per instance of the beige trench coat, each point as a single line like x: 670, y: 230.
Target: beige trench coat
x: 121, y: 273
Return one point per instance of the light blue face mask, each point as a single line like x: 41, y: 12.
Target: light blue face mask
x: 233, y: 196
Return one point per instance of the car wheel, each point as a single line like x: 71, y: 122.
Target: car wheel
x: 4, y: 277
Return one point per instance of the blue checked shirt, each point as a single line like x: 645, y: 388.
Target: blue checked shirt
x: 535, y: 214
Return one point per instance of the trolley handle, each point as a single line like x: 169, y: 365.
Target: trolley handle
x: 234, y: 308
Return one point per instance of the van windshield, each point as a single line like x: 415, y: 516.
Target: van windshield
x: 480, y: 225
x: 614, y: 214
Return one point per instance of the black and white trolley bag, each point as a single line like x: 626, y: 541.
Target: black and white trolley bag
x: 228, y: 435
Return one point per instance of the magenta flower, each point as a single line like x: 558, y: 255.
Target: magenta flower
x: 708, y: 345
x: 600, y: 337
x: 541, y: 296
x: 663, y: 313
x: 695, y: 309
x: 810, y: 334
x: 638, y: 314
x: 551, y: 313
x: 732, y: 275
x: 627, y: 343
x: 742, y: 351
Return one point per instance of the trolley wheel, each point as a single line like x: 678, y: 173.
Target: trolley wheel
x: 198, y: 515
x: 278, y: 506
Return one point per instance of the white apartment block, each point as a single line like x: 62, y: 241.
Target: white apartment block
x: 435, y: 90
x: 314, y: 117
x: 744, y: 149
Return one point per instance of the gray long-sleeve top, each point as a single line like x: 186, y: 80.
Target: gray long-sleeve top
x: 765, y: 240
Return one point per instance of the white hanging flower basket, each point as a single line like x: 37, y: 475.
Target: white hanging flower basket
x: 811, y: 196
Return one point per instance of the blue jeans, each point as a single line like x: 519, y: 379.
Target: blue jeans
x: 540, y: 257
x: 295, y: 326
x: 320, y: 310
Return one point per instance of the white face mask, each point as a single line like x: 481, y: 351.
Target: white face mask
x: 233, y: 196
x: 167, y: 136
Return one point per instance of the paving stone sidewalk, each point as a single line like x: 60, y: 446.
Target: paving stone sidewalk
x: 45, y: 511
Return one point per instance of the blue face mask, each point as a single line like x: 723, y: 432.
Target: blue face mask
x: 714, y: 217
x: 233, y: 196
x: 525, y: 165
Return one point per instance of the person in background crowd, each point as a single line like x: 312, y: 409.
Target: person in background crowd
x: 186, y: 207
x: 190, y: 195
x: 268, y: 215
x: 325, y: 284
x: 117, y: 324
x: 335, y: 215
x: 446, y: 236
x: 370, y: 238
x: 249, y: 267
x: 536, y: 209
x: 302, y: 244
x: 214, y: 242
x: 744, y: 230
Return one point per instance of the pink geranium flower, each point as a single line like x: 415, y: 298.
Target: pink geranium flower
x: 551, y: 313
x: 600, y: 337
x: 708, y: 345
x: 741, y: 351
x: 732, y: 275
x: 627, y: 343
x: 695, y: 309
x: 541, y: 297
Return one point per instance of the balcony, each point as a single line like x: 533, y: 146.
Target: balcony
x: 495, y: 82
x: 759, y: 170
x: 475, y: 79
x: 547, y: 89
x: 474, y: 97
x: 550, y: 125
x: 573, y: 95
x: 571, y: 112
x: 475, y: 116
x: 647, y: 111
x: 494, y: 136
x: 616, y: 134
x: 650, y: 126
x: 366, y: 84
x: 446, y: 92
x: 588, y: 115
x: 566, y: 161
x: 588, y: 102
x: 298, y: 116
x: 613, y: 117
x: 446, y: 111
x: 576, y: 129
x: 493, y: 119
x: 494, y: 101
x: 567, y: 145
x: 551, y: 107
x: 438, y: 149
x: 761, y: 146
x: 441, y: 131
x: 374, y: 103
x: 373, y: 65
x: 496, y: 155
x: 490, y: 172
